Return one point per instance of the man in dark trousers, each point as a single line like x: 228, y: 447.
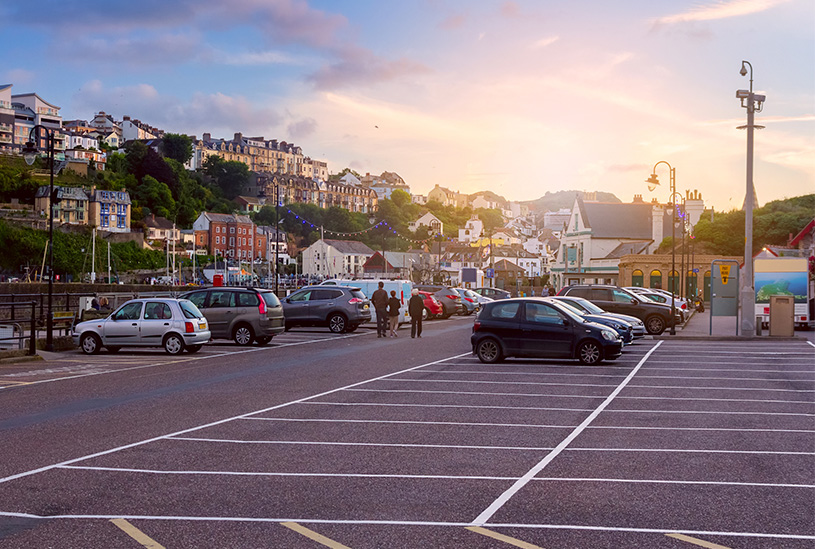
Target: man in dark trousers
x: 415, y: 310
x: 379, y: 299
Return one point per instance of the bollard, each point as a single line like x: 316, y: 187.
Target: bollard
x: 758, y: 325
x: 32, y: 341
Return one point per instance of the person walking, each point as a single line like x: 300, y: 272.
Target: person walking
x: 393, y: 313
x: 379, y: 299
x: 415, y: 309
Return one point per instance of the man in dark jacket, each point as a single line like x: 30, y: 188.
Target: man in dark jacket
x: 415, y: 310
x: 379, y: 299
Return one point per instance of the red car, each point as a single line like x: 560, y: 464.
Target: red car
x: 432, y: 306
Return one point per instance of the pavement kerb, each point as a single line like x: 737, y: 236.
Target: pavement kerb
x: 20, y: 359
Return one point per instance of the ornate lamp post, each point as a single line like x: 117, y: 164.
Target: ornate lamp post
x: 653, y: 183
x: 30, y: 151
x: 753, y: 103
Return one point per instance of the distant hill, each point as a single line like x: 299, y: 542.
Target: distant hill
x: 564, y: 199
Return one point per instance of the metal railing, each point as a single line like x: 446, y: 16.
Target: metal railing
x: 16, y: 320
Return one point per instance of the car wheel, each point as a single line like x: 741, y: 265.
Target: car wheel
x: 113, y: 349
x: 173, y: 344
x: 488, y: 351
x: 337, y: 323
x: 90, y: 344
x: 590, y: 353
x: 192, y: 349
x: 654, y: 324
x: 263, y: 340
x: 243, y: 335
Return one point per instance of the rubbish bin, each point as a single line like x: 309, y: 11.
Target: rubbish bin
x: 782, y: 316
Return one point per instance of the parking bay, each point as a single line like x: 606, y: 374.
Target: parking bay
x: 709, y: 439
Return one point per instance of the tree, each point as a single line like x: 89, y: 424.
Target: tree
x: 348, y: 170
x: 231, y: 177
x: 178, y: 147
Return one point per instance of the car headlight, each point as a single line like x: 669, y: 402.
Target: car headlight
x: 609, y: 335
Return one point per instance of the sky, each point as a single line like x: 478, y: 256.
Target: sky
x: 517, y: 97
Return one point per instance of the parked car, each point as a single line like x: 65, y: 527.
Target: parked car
x: 493, y: 293
x: 469, y: 299
x: 618, y: 300
x: 637, y: 325
x: 244, y: 315
x: 341, y: 308
x: 432, y: 306
x: 449, y: 298
x: 175, y: 324
x: 623, y: 328
x: 662, y: 296
x: 532, y: 327
x: 369, y: 286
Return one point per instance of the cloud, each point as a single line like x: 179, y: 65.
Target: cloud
x: 201, y: 113
x: 167, y: 49
x: 510, y: 9
x: 257, y: 58
x: 719, y: 9
x: 361, y: 67
x: 19, y: 76
x: 302, y: 128
x: 453, y: 22
x: 544, y: 42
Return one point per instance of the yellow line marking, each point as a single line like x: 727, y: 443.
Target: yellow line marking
x: 312, y: 535
x: 502, y: 537
x: 138, y: 535
x: 699, y: 542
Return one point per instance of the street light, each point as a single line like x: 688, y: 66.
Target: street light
x: 30, y: 151
x: 753, y: 103
x: 653, y: 183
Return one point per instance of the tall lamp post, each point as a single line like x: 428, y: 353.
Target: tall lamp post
x: 653, y: 183
x: 30, y: 151
x: 276, y: 233
x: 753, y: 103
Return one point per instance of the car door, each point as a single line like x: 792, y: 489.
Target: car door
x: 321, y: 302
x: 603, y: 299
x: 502, y: 321
x: 295, y: 307
x: 122, y: 328
x: 625, y: 303
x: 546, y: 332
x: 155, y: 323
x: 219, y: 311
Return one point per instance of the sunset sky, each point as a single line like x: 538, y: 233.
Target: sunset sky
x: 516, y: 97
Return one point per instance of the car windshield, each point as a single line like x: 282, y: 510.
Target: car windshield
x: 271, y: 299
x: 569, y: 306
x: 569, y: 311
x: 189, y: 309
x: 589, y: 306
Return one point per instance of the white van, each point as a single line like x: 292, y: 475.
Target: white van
x: 403, y: 289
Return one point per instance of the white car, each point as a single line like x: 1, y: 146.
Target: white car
x: 679, y: 303
x: 175, y: 324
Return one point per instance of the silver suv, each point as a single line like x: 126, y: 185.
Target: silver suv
x: 341, y: 308
x: 243, y: 315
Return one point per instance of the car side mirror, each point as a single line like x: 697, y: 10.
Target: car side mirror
x: 634, y: 301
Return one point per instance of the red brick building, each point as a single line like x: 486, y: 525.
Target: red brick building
x: 228, y: 235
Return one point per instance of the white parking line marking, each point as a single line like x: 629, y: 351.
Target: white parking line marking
x: 683, y: 450
x: 505, y: 497
x: 378, y: 421
x: 689, y: 482
x: 403, y: 380
x: 547, y: 395
x: 740, y: 370
x: 212, y: 424
x: 644, y: 376
x: 465, y: 406
x: 374, y: 444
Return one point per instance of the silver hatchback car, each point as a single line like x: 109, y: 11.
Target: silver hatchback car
x: 175, y: 324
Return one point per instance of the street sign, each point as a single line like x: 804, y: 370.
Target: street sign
x: 489, y: 273
x: 725, y: 272
x: 696, y: 270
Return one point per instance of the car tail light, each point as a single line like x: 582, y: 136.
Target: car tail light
x: 684, y: 305
x: 471, y: 300
x: 261, y: 305
x: 476, y: 325
x: 189, y: 327
x: 354, y: 300
x: 453, y: 297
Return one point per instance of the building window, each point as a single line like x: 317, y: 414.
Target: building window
x: 655, y: 279
x: 637, y: 278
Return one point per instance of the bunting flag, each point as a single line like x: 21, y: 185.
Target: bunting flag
x: 384, y: 224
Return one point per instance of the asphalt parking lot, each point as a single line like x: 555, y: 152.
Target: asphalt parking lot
x: 676, y: 444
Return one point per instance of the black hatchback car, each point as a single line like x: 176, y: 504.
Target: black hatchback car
x: 532, y: 327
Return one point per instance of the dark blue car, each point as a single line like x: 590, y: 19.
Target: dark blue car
x: 623, y: 328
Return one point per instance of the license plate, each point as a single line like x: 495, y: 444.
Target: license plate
x: 202, y: 325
